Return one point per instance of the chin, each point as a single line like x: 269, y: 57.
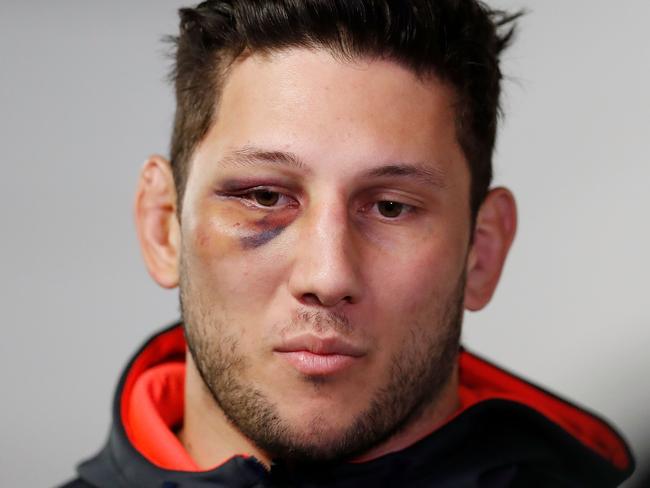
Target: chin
x: 313, y: 444
x: 323, y: 433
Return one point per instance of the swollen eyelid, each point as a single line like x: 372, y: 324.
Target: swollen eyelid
x: 265, y: 198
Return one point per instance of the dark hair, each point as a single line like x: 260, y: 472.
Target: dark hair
x: 458, y: 41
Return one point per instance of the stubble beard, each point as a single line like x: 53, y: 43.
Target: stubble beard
x: 419, y: 372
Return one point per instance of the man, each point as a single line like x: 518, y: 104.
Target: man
x: 327, y: 216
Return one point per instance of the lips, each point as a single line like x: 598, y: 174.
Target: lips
x: 319, y: 356
x: 320, y: 345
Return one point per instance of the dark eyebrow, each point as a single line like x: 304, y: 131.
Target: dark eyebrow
x: 424, y: 173
x: 253, y: 156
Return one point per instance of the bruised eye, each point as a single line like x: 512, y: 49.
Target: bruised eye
x: 390, y: 209
x: 265, y: 198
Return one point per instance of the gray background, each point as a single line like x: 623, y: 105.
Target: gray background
x: 83, y: 102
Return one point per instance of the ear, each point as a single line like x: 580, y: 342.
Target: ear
x: 494, y: 232
x: 156, y: 221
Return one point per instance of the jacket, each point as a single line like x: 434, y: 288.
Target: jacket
x: 507, y: 433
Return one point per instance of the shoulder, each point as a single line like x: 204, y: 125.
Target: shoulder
x: 78, y: 483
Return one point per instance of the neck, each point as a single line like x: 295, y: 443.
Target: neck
x: 211, y: 439
x: 207, y: 435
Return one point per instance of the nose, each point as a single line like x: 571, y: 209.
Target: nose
x: 326, y: 268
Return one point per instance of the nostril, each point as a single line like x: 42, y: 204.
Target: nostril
x: 314, y: 299
x: 310, y: 299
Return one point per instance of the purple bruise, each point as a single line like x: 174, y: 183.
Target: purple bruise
x: 257, y: 240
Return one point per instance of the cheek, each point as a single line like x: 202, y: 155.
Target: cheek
x: 210, y: 245
x: 229, y: 254
x: 417, y: 282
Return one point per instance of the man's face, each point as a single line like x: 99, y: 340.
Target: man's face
x: 325, y: 231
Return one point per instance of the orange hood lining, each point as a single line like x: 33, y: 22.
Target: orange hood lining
x: 152, y: 404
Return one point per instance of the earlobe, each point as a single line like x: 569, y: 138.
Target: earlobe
x: 156, y: 221
x: 494, y: 232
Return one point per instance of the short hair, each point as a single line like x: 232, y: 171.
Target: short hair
x: 457, y: 41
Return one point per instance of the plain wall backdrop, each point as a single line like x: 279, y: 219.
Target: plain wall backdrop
x: 83, y: 102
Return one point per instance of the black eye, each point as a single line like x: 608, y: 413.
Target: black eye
x: 390, y: 209
x: 266, y: 198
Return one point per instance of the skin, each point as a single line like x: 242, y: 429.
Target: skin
x: 332, y: 140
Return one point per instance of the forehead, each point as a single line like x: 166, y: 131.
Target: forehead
x: 328, y: 110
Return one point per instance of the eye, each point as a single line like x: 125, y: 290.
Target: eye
x: 265, y: 198
x: 390, y: 209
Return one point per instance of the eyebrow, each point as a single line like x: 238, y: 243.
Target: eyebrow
x: 420, y: 172
x: 252, y: 156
